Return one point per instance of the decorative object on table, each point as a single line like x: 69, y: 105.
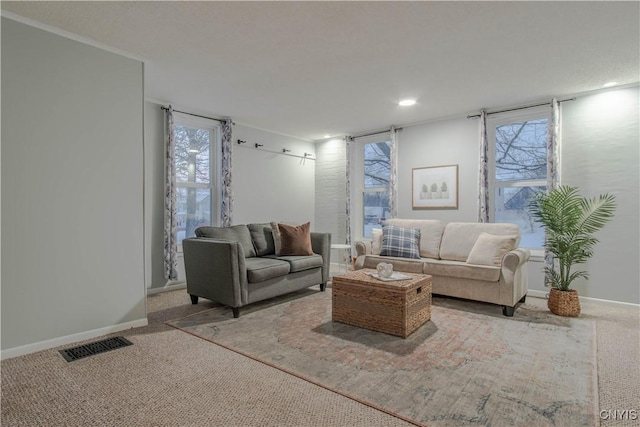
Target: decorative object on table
x: 385, y: 270
x: 570, y: 221
x: 435, y: 187
x: 394, y: 276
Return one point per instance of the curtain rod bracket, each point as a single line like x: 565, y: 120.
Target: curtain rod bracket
x: 242, y: 141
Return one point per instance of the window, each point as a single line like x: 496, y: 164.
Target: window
x: 518, y: 158
x: 195, y: 142
x: 374, y: 168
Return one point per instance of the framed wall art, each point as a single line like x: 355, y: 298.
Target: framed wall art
x: 435, y: 187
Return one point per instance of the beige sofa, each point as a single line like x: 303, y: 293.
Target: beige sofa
x: 477, y: 261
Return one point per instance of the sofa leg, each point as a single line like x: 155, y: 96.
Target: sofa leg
x: 323, y: 286
x: 523, y: 299
x: 194, y: 299
x: 236, y: 312
x: 508, y: 311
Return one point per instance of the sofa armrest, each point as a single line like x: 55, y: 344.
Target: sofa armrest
x: 215, y: 270
x: 363, y: 247
x: 515, y: 258
x: 321, y: 245
x: 514, y: 273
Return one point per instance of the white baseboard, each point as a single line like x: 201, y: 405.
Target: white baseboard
x: 151, y: 291
x: 543, y: 294
x: 68, y: 339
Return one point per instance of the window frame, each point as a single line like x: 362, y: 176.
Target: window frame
x: 357, y: 182
x: 542, y: 112
x: 215, y: 144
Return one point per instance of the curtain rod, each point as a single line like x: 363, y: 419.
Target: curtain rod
x: 373, y: 133
x: 195, y: 115
x: 473, y: 116
x: 284, y: 152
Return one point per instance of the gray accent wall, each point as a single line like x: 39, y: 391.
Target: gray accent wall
x: 154, y: 156
x: 72, y: 189
x: 601, y: 154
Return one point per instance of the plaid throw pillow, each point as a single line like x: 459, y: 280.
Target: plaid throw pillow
x: 400, y: 242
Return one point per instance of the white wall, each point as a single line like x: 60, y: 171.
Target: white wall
x: 330, y: 197
x: 267, y: 186
x: 272, y: 186
x: 450, y: 142
x: 600, y: 154
x: 72, y: 213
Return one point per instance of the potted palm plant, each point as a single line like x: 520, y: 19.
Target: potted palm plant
x: 570, y: 221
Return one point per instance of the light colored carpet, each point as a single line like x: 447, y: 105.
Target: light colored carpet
x: 170, y: 378
x: 469, y: 365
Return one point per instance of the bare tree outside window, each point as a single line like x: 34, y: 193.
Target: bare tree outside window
x: 193, y: 178
x: 521, y: 150
x: 377, y: 164
x: 377, y: 170
x: 520, y: 171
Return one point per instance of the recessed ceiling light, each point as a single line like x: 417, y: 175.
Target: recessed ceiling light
x: 327, y: 136
x: 407, y: 102
x: 609, y: 84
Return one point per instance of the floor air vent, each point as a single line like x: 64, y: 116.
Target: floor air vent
x: 97, y: 347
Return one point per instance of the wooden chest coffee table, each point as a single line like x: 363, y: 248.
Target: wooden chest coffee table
x: 393, y: 307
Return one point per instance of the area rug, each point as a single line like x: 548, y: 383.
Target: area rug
x: 469, y: 365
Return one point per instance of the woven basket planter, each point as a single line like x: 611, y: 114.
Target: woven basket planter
x: 564, y: 303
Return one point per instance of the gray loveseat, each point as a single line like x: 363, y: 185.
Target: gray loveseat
x: 477, y: 261
x: 237, y: 265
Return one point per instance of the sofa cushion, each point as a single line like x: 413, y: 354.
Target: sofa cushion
x: 461, y: 270
x: 262, y: 238
x: 260, y: 269
x: 236, y: 233
x: 430, y: 234
x: 295, y: 239
x: 490, y: 248
x: 400, y: 242
x: 459, y: 237
x: 300, y: 263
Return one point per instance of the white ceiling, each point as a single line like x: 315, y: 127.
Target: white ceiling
x: 313, y: 68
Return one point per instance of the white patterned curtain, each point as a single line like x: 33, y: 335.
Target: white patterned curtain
x: 226, y: 204
x: 393, y: 173
x: 483, y: 190
x: 553, y: 147
x: 553, y: 166
x: 348, y: 154
x: 170, y: 208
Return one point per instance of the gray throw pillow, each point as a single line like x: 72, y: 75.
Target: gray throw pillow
x: 235, y: 233
x: 262, y: 237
